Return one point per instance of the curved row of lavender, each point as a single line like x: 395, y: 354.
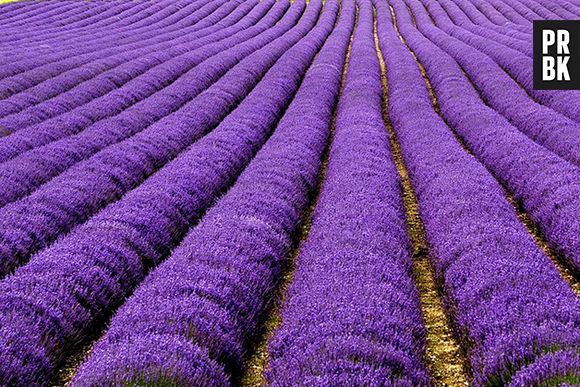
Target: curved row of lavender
x: 522, y: 14
x: 115, y: 18
x: 503, y: 14
x: 24, y: 230
x: 97, y: 20
x: 352, y: 314
x: 211, y: 295
x: 164, y: 86
x: 479, y: 17
x: 25, y: 71
x: 510, y: 307
x: 66, y: 291
x: 528, y: 10
x: 77, y: 86
x: 50, y: 18
x: 170, y: 42
x: 549, y: 10
x: 59, y: 14
x: 498, y: 14
x: 463, y: 13
x: 513, y: 62
x: 459, y: 20
x: 545, y: 126
x: 58, y: 50
x: 547, y: 186
x: 133, y: 77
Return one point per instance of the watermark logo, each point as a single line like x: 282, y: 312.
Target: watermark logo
x: 557, y: 54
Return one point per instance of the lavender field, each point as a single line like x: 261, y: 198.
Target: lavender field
x: 277, y: 193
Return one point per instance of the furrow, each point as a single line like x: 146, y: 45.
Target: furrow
x: 443, y: 354
x: 258, y: 362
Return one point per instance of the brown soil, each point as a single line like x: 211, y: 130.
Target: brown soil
x: 443, y: 356
x: 258, y: 362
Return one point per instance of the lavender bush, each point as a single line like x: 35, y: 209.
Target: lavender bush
x: 488, y: 265
x: 352, y: 313
x: 79, y: 281
x: 129, y: 161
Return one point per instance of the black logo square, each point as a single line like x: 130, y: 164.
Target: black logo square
x: 557, y: 54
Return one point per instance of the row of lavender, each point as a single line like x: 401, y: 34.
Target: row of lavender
x: 216, y: 285
x: 68, y: 103
x: 116, y: 167
x: 311, y: 347
x: 214, y: 293
x: 526, y: 161
x: 116, y: 151
x: 352, y: 315
x: 68, y: 289
x: 486, y: 261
